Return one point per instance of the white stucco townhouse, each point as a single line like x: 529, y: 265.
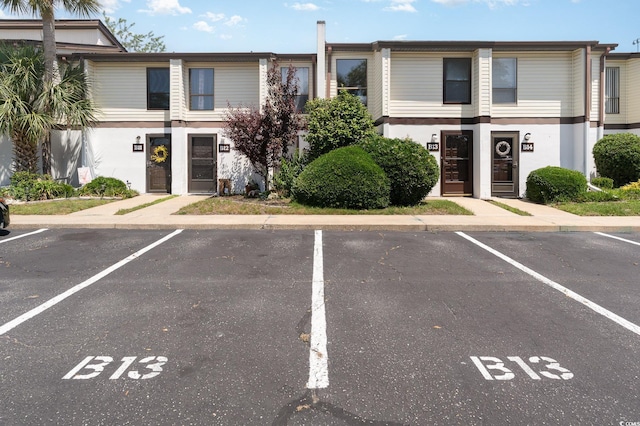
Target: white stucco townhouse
x: 490, y: 112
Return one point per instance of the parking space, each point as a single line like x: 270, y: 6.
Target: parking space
x: 213, y: 327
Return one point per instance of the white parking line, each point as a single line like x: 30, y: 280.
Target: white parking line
x: 59, y: 298
x: 23, y: 235
x: 575, y: 296
x: 318, y: 357
x: 618, y: 238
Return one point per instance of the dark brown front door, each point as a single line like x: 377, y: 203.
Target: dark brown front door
x: 159, y: 164
x: 504, y: 177
x: 457, y: 163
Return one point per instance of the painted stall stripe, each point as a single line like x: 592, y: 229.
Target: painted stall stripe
x: 23, y: 235
x: 573, y: 295
x: 59, y: 298
x: 318, y: 357
x: 617, y: 238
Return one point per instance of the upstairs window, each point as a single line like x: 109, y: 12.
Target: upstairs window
x: 352, y: 77
x: 612, y: 90
x: 302, y: 77
x: 504, y: 80
x: 457, y: 81
x: 158, y: 88
x: 201, y: 88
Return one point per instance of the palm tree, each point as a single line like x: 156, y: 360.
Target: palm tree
x: 45, y: 9
x: 30, y: 107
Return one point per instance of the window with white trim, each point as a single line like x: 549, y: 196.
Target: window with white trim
x: 352, y: 77
x: 201, y: 88
x: 612, y: 90
x: 504, y: 77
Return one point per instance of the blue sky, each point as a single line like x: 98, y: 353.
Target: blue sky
x: 290, y: 26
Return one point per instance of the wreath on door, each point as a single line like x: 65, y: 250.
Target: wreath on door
x: 503, y: 148
x: 160, y: 154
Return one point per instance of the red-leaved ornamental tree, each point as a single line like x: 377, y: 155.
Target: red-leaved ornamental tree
x: 262, y: 135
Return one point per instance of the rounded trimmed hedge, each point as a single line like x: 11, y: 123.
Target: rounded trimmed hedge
x: 618, y: 157
x: 552, y: 183
x: 343, y: 178
x: 106, y: 186
x: 411, y: 169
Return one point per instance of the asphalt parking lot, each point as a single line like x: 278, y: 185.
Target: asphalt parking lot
x: 231, y: 327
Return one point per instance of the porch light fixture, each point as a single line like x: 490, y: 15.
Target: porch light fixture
x: 434, y: 138
x: 527, y: 136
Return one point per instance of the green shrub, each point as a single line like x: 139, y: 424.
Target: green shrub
x: 31, y: 186
x: 106, y: 187
x: 344, y: 178
x: 602, y: 182
x: 595, y: 196
x: 289, y: 170
x: 411, y: 170
x: 550, y: 184
x: 337, y: 122
x: 618, y: 157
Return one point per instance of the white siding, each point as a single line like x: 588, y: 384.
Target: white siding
x: 120, y: 91
x: 235, y: 84
x: 417, y: 87
x: 579, y: 59
x: 376, y: 89
x: 595, y: 87
x: 482, y: 82
x: 622, y: 117
x: 545, y: 86
x: 178, y: 89
x: 632, y: 91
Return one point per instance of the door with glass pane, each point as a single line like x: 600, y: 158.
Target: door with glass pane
x: 159, y: 164
x: 504, y: 177
x: 202, y: 163
x: 457, y: 163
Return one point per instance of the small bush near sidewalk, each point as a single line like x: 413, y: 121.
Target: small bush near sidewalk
x: 550, y: 184
x: 411, y: 169
x: 617, y: 157
x: 602, y: 182
x: 107, y: 187
x: 27, y: 186
x: 343, y: 178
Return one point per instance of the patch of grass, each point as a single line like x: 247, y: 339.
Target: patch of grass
x: 142, y: 206
x: 238, y: 205
x: 56, y: 207
x: 609, y: 208
x: 509, y: 208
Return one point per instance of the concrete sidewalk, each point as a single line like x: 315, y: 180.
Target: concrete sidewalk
x: 487, y: 217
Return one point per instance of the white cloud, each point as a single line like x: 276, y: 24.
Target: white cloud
x: 306, y: 7
x: 234, y: 20
x: 401, y: 6
x: 110, y: 6
x: 490, y: 3
x: 400, y: 37
x: 214, y: 17
x: 165, y: 7
x: 225, y: 37
x: 203, y: 26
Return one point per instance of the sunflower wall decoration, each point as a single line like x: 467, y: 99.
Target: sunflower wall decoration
x: 160, y: 154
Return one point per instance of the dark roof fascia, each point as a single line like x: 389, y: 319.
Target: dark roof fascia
x: 624, y: 55
x: 189, y: 57
x: 470, y: 45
